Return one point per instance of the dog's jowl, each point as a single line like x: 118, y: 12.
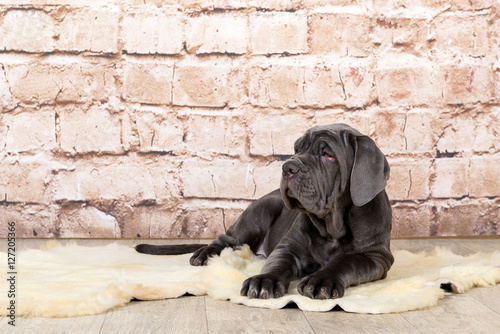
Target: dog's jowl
x: 329, y: 224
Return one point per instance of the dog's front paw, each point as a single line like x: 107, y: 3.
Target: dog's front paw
x: 200, y: 257
x: 319, y: 286
x: 264, y: 286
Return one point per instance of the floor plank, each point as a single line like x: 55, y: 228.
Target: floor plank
x: 419, y: 245
x: 346, y: 323
x: 477, y: 311
x: 225, y: 317
x: 455, y: 314
x: 181, y: 315
x: 5, y: 327
x: 489, y: 297
x: 481, y: 300
x: 480, y: 245
x: 89, y: 324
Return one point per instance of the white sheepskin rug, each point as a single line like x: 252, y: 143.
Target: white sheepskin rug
x: 72, y: 280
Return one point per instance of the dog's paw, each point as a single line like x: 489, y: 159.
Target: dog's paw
x: 317, y: 286
x: 200, y: 257
x: 264, y: 286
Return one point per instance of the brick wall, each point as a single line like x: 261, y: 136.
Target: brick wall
x: 132, y: 118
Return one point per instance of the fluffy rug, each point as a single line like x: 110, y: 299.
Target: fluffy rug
x: 72, y: 280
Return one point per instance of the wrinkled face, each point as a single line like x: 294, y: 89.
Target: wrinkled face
x: 317, y: 174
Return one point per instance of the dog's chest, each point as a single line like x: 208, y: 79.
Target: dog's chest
x: 324, y: 250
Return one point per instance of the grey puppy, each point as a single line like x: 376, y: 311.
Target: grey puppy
x: 329, y: 223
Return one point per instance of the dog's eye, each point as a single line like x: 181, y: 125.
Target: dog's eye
x: 328, y: 156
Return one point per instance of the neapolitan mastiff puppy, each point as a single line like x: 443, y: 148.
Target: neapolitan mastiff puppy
x: 329, y: 223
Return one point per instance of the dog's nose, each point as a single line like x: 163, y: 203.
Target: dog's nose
x: 290, y: 169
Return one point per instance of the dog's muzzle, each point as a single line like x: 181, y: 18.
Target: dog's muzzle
x: 290, y: 169
x: 292, y: 173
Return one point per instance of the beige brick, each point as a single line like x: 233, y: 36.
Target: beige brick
x: 7, y: 100
x: 217, y: 179
x: 184, y: 4
x: 191, y: 220
x: 4, y: 130
x: 47, y: 83
x: 276, y: 134
x: 216, y: 135
x: 323, y: 86
x: 226, y: 179
x: 358, y: 83
x: 406, y: 81
x: 359, y: 120
x: 153, y: 222
x: 486, y: 131
x: 208, y: 86
x: 484, y: 176
x: 456, y: 136
x: 153, y: 33
x: 409, y: 179
x: 451, y: 178
x: 321, y: 3
x: 461, y: 34
x: 496, y: 88
x: 468, y: 132
x: 230, y: 4
x: 92, y: 130
x: 200, y: 223
x: 471, y: 4
x: 159, y: 132
x: 129, y: 135
x: 277, y: 86
x: 149, y: 83
x: 218, y: 33
x: 467, y: 218
x: 267, y: 178
x: 37, y: 3
x: 27, y: 30
x: 466, y: 83
x: 130, y: 181
x: 411, y: 5
x: 32, y: 220
x: 421, y: 130
x: 408, y: 34
x: 23, y: 179
x: 494, y: 35
x: 387, y: 129
x: 90, y: 29
x: 29, y: 130
x: 35, y: 84
x: 278, y: 33
x: 272, y: 4
x: 384, y: 5
x: 412, y: 220
x: 341, y: 34
x: 82, y: 221
x: 122, y: 211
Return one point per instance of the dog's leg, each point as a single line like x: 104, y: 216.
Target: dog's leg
x: 287, y: 262
x: 250, y: 228
x: 344, y: 271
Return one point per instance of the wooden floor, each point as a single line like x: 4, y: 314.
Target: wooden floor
x: 477, y: 311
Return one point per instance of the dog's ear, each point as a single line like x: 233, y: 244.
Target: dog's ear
x: 370, y: 171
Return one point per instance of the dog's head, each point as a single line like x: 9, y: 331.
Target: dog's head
x: 331, y: 161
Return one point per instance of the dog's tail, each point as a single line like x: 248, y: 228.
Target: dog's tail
x: 168, y: 249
